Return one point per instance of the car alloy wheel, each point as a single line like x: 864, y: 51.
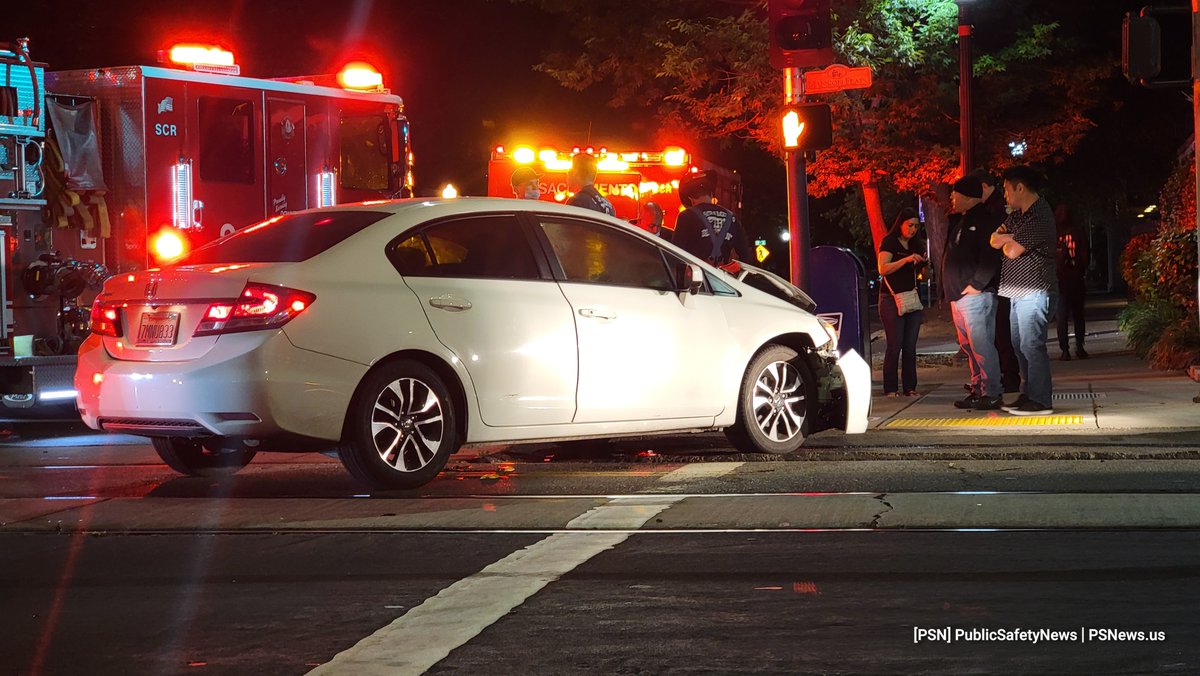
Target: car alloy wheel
x: 779, y: 402
x: 400, y: 428
x: 407, y: 425
x: 775, y: 403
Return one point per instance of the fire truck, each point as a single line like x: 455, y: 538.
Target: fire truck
x: 109, y: 170
x: 627, y: 178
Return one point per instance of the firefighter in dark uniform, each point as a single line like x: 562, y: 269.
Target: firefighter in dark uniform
x: 708, y: 230
x: 580, y: 181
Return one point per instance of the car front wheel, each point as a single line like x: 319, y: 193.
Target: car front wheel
x: 401, y: 428
x: 209, y: 457
x: 774, y: 404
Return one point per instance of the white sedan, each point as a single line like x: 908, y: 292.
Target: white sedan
x: 397, y: 332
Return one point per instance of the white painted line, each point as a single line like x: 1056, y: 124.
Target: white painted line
x: 702, y: 470
x: 425, y: 635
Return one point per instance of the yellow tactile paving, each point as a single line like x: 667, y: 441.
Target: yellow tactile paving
x: 989, y: 421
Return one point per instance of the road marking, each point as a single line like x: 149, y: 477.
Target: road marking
x: 705, y: 470
x: 989, y: 421
x: 425, y: 635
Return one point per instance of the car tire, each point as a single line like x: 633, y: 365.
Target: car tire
x: 775, y: 403
x: 197, y: 457
x: 401, y: 428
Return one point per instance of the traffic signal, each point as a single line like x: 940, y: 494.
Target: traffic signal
x: 800, y: 33
x: 807, y: 127
x: 1141, y: 48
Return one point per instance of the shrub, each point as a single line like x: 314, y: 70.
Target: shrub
x: 1161, y: 322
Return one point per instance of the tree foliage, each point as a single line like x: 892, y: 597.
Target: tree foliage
x: 703, y: 67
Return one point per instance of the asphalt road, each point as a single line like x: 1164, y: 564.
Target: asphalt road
x: 606, y: 558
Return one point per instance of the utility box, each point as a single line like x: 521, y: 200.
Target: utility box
x: 840, y: 291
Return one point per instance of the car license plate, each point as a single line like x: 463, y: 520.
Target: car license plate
x: 158, y: 328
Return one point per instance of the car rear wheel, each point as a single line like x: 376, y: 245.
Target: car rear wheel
x: 775, y: 403
x: 195, y: 457
x: 401, y: 428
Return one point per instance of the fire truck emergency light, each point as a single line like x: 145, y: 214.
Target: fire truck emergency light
x: 183, y: 207
x: 523, y: 155
x: 675, y: 157
x: 609, y: 162
x: 168, y: 245
x: 360, y: 76
x: 204, y: 55
x: 326, y: 189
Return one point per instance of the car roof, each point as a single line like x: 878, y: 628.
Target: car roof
x: 466, y: 205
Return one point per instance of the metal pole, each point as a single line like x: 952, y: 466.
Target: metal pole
x: 798, y: 218
x: 797, y: 192
x: 1196, y: 116
x: 966, y: 133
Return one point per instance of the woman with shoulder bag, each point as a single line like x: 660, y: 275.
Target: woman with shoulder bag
x: 900, y: 309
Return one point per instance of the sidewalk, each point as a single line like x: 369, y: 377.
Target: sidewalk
x: 1111, y: 392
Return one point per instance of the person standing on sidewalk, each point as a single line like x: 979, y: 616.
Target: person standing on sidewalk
x: 1027, y: 279
x: 899, y: 261
x: 1010, y: 368
x: 970, y: 271
x: 1071, y: 266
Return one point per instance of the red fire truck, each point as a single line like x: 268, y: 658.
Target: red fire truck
x: 109, y: 170
x: 628, y: 178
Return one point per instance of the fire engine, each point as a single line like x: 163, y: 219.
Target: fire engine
x: 628, y: 178
x: 109, y: 170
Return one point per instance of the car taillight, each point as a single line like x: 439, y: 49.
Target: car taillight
x: 106, y: 319
x: 261, y: 306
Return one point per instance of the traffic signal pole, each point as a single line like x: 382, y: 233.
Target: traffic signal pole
x: 797, y: 191
x: 966, y: 133
x: 1196, y: 126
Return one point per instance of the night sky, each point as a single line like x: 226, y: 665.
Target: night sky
x: 464, y: 69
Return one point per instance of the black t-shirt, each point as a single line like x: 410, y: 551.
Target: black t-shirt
x: 590, y: 198
x: 904, y: 279
x: 696, y: 226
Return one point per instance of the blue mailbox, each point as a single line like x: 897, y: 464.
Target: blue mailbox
x: 839, y: 287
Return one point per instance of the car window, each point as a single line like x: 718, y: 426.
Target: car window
x: 719, y: 288
x: 591, y: 252
x: 477, y: 246
x: 288, y: 238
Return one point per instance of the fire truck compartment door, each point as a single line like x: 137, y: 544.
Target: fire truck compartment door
x: 287, y: 182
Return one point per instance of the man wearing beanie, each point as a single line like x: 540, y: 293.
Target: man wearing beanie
x: 1010, y: 368
x: 970, y: 276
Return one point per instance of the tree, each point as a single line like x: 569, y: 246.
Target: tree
x: 705, y: 65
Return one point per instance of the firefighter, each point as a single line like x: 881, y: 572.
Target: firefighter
x: 651, y: 220
x: 708, y: 230
x: 526, y: 184
x: 580, y: 179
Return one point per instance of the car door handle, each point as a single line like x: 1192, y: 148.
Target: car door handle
x: 450, y: 303
x: 596, y: 313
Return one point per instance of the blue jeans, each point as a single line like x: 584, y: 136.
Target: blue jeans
x: 975, y: 319
x: 1030, y: 315
x: 901, y: 332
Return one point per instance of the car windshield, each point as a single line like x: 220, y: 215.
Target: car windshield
x: 284, y: 239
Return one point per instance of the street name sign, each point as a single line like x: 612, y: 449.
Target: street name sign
x: 836, y: 78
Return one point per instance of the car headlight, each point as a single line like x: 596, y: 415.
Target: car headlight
x: 831, y: 330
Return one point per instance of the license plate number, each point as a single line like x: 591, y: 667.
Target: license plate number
x: 158, y: 328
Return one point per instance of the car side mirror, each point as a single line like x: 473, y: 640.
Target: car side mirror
x: 691, y: 278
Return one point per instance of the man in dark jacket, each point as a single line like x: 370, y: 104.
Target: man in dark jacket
x: 707, y: 230
x: 581, y: 178
x: 970, y: 275
x: 1010, y: 368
